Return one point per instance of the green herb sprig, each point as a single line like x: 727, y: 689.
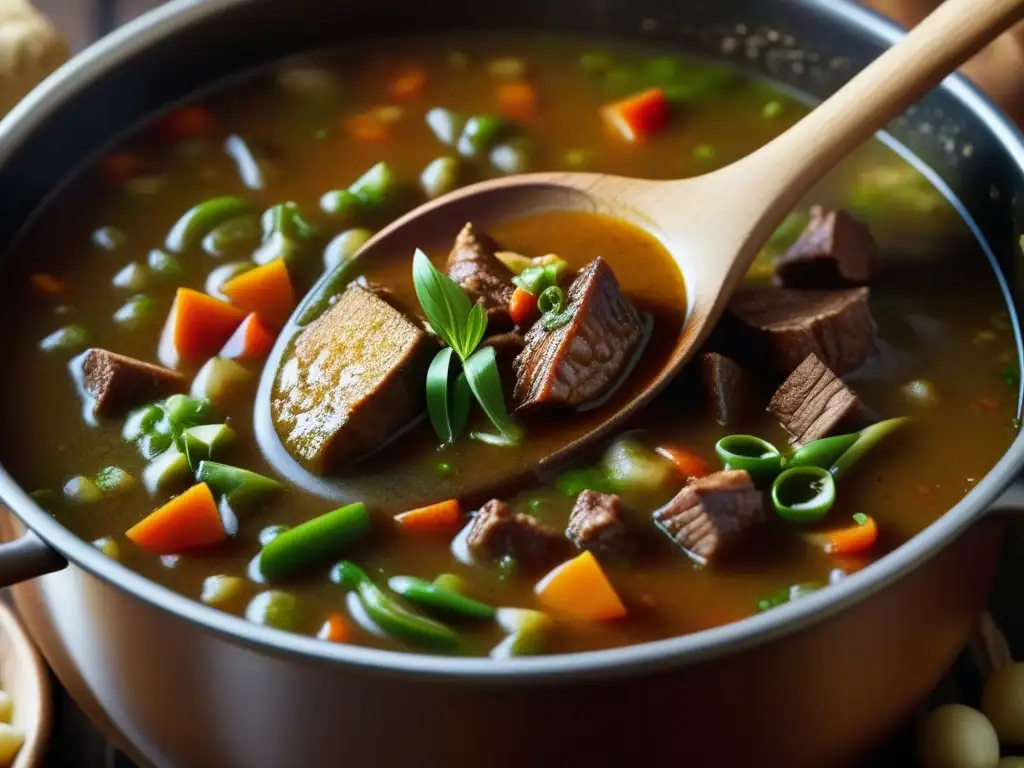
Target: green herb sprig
x: 461, y: 324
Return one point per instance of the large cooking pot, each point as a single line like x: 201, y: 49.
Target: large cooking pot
x: 813, y: 683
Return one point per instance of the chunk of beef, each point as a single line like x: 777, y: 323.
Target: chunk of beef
x: 712, y: 513
x: 833, y: 250
x: 598, y: 523
x: 473, y: 265
x: 352, y: 380
x: 118, y: 383
x: 498, y: 531
x: 727, y: 386
x: 507, y: 347
x: 582, y: 359
x: 813, y: 402
x: 790, y: 325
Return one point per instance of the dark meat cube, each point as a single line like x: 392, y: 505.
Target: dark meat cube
x: 790, y: 325
x: 582, y: 359
x: 813, y: 402
x: 598, y: 523
x: 473, y: 265
x: 728, y: 387
x: 507, y: 347
x: 712, y: 513
x: 118, y: 383
x: 498, y: 531
x: 352, y: 380
x: 833, y: 250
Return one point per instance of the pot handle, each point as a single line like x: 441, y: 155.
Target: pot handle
x: 26, y: 558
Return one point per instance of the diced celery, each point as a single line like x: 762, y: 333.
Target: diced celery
x: 114, y: 480
x: 239, y: 486
x: 82, y: 490
x: 134, y: 277
x: 219, y: 380
x: 203, y: 442
x: 220, y: 589
x: 168, y: 469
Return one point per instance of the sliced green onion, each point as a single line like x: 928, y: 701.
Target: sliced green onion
x: 314, y: 541
x: 71, y: 338
x: 220, y: 589
x: 135, y: 313
x: 821, y: 453
x: 239, y: 486
x: 133, y: 276
x: 274, y: 608
x: 803, y: 494
x: 164, y: 265
x: 218, y: 277
x: 446, y: 125
x: 440, y: 177
x: 191, y: 228
x: 344, y: 246
x: 435, y: 596
x: 114, y: 480
x: 82, y: 490
x: 390, y: 615
x: 551, y: 300
x: 867, y: 439
x: 758, y: 457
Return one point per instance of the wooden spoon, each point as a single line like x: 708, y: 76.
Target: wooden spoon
x: 713, y: 225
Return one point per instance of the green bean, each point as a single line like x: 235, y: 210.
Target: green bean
x: 821, y: 453
x: 71, y: 338
x: 345, y: 246
x: 342, y: 204
x: 274, y: 608
x: 435, y: 596
x: 440, y: 176
x: 237, y: 235
x: 136, y: 312
x: 803, y: 494
x: 164, y: 265
x: 191, y: 228
x: 758, y: 457
x: 480, y: 134
x: 391, y: 616
x: 375, y: 187
x: 446, y: 125
x: 314, y: 540
x: 867, y: 439
x: 331, y: 286
x: 238, y: 486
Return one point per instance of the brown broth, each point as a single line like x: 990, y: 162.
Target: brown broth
x: 935, y: 303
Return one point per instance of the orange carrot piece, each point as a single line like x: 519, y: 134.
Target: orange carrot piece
x: 369, y: 127
x: 853, y: 539
x: 188, y: 520
x: 266, y: 290
x: 517, y: 100
x: 250, y: 341
x: 119, y: 167
x: 443, y: 517
x: 336, y: 629
x: 47, y: 285
x: 185, y: 123
x: 579, y: 588
x: 409, y: 83
x: 638, y: 116
x: 687, y: 463
x: 197, y: 327
x: 522, y: 306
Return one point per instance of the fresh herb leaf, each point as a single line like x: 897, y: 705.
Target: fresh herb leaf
x: 473, y: 333
x: 485, y: 381
x: 447, y: 307
x: 439, y: 376
x: 492, y: 439
x: 461, y: 397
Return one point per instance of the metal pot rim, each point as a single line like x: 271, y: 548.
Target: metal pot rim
x: 687, y: 649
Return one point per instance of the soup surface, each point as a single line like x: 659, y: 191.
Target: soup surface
x: 290, y: 169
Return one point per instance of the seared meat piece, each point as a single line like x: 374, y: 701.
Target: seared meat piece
x: 352, y: 380
x: 507, y: 347
x: 727, y: 386
x: 712, y: 513
x: 813, y: 402
x: 834, y: 325
x: 497, y: 530
x: 473, y: 265
x: 833, y: 250
x: 580, y: 361
x: 117, y: 382
x: 598, y: 523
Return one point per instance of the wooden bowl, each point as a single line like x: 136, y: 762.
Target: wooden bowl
x: 24, y: 676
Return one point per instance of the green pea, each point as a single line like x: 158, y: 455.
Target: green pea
x: 821, y: 453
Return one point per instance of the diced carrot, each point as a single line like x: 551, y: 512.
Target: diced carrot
x: 687, y: 463
x: 517, y: 100
x: 185, y: 123
x: 409, y: 83
x: 522, y: 306
x: 186, y: 521
x: 851, y: 540
x: 580, y: 589
x: 250, y: 341
x: 197, y: 327
x: 440, y: 518
x: 119, y: 167
x: 47, y: 285
x: 266, y: 290
x: 638, y: 116
x: 369, y: 127
x: 336, y: 629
